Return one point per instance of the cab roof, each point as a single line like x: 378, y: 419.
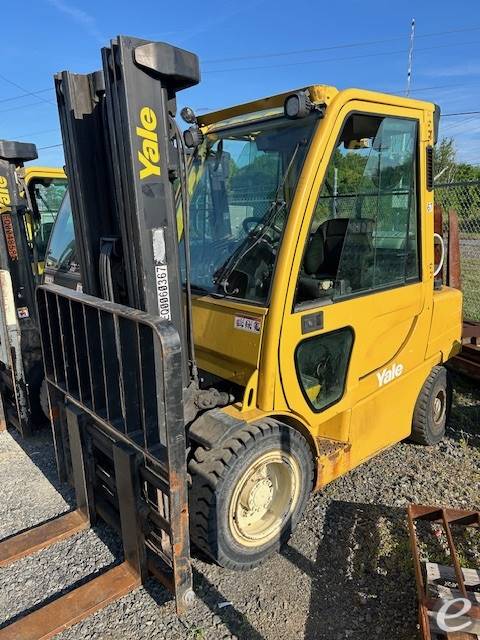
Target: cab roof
x: 43, y: 172
x: 319, y: 93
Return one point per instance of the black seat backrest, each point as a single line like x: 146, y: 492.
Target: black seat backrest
x: 333, y: 231
x: 358, y: 255
x: 325, y: 247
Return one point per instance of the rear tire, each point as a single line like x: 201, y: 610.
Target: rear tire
x: 248, y: 495
x: 432, y: 408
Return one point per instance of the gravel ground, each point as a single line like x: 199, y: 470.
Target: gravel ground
x: 346, y: 573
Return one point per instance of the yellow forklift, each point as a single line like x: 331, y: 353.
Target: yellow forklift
x: 29, y: 200
x: 251, y: 310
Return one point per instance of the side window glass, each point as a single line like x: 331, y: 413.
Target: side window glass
x: 61, y: 254
x: 364, y: 230
x: 46, y: 196
x: 322, y: 365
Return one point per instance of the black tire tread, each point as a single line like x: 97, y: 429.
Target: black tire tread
x: 420, y: 431
x: 206, y: 468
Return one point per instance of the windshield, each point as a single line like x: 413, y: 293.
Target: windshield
x: 61, y: 254
x: 242, y: 182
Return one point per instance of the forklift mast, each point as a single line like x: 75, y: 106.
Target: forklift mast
x: 124, y: 156
x: 81, y: 104
x: 20, y: 343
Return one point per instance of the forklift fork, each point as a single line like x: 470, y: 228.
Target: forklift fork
x: 122, y: 425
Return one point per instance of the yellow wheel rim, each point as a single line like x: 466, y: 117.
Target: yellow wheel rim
x: 264, y: 498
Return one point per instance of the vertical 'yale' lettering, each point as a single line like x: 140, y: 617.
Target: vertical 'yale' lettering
x: 149, y: 154
x: 5, y: 200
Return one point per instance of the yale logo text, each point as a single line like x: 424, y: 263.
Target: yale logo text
x: 149, y: 155
x: 4, y: 195
x: 389, y: 374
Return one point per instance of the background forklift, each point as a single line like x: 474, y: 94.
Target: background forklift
x: 238, y: 309
x: 29, y: 201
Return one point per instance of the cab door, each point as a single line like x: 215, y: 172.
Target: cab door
x: 357, y: 315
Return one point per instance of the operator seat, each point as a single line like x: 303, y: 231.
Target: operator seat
x: 333, y: 232
x: 356, y: 268
x: 320, y: 264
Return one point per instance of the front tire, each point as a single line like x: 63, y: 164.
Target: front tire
x: 432, y: 408
x: 248, y: 495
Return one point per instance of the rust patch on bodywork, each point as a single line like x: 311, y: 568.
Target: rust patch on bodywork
x: 333, y: 460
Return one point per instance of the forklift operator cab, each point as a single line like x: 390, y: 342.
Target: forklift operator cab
x: 312, y: 255
x: 312, y: 274
x: 46, y: 187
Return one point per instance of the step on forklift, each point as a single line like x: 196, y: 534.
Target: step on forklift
x: 29, y: 200
x: 253, y: 301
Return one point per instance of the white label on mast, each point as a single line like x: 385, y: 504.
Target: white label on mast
x: 161, y: 274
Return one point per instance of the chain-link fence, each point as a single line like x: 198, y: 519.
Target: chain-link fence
x: 464, y: 198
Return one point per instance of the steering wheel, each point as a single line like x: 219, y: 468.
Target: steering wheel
x: 252, y: 221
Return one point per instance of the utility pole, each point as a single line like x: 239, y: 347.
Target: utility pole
x: 410, y: 58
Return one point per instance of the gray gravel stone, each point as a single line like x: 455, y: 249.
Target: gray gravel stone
x: 346, y: 572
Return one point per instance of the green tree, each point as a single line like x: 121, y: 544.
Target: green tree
x: 444, y: 160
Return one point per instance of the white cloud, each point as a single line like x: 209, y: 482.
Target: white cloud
x: 471, y: 68
x: 81, y: 17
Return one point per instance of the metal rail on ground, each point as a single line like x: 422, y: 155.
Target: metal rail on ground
x: 453, y: 589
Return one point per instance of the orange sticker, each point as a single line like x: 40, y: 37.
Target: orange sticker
x: 10, y: 236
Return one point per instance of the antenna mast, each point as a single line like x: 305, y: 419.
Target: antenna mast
x: 410, y: 58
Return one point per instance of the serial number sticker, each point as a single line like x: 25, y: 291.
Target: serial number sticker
x: 247, y: 324
x: 23, y: 312
x: 163, y: 292
x: 10, y: 236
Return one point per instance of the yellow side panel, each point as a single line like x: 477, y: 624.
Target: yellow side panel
x: 391, y: 331
x: 445, y: 331
x: 395, y: 403
x: 227, y: 338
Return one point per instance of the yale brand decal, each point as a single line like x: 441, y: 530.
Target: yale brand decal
x: 5, y: 199
x: 389, y: 374
x: 149, y: 154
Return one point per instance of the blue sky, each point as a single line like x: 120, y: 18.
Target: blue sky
x: 247, y: 49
